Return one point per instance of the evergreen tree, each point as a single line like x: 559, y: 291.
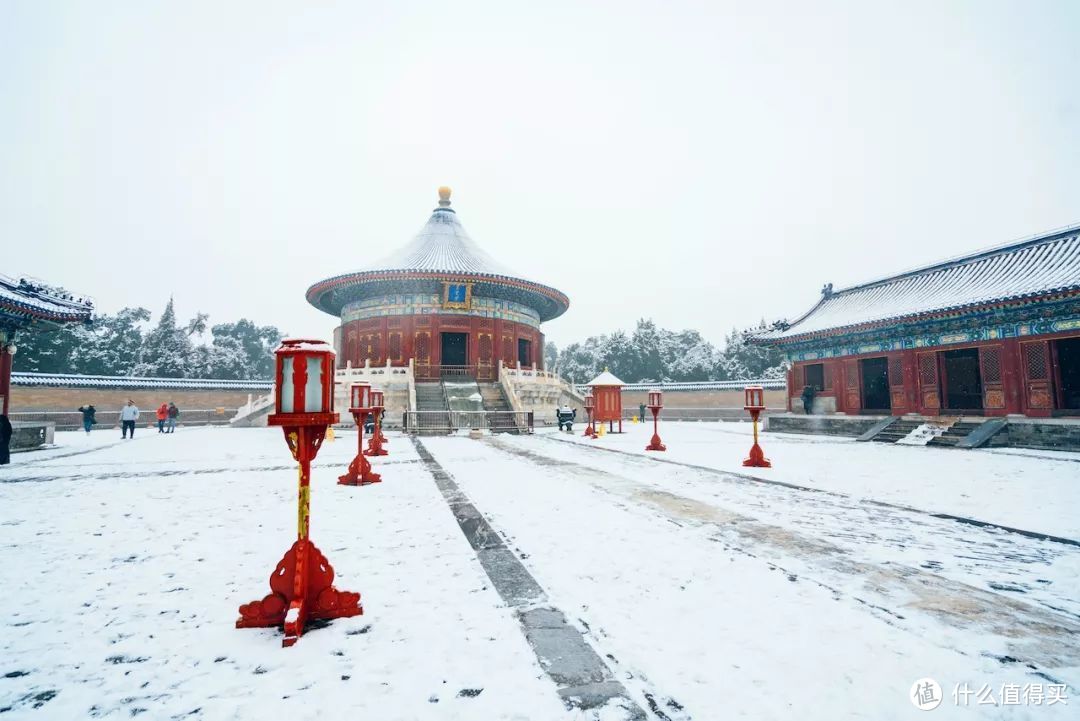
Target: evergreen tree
x: 257, y: 343
x: 551, y: 356
x: 166, y: 351
x: 654, y: 354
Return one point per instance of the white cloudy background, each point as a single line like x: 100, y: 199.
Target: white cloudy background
x: 705, y: 164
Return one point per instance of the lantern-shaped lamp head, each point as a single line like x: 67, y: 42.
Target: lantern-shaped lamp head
x: 656, y: 398
x: 755, y: 398
x: 304, y: 391
x: 377, y: 399
x: 590, y: 403
x: 359, y: 395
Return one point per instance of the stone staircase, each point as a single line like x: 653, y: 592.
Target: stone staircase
x: 494, y: 400
x: 430, y: 397
x: 956, y: 433
x: 897, y: 430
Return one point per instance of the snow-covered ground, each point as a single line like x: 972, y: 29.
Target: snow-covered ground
x: 707, y: 594
x: 1027, y: 489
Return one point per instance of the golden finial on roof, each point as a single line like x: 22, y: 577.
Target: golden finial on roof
x: 444, y: 196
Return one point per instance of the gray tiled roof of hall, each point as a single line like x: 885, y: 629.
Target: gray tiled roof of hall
x: 1046, y: 265
x: 39, y: 301
x: 442, y: 245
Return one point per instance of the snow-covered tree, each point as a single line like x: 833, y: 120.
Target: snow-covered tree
x: 258, y: 344
x: 166, y: 351
x: 652, y: 353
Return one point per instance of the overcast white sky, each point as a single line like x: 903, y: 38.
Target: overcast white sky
x: 702, y: 163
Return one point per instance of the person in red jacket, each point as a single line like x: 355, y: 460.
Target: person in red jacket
x: 162, y: 416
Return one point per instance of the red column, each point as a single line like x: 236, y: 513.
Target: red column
x: 1011, y: 376
x: 5, y: 377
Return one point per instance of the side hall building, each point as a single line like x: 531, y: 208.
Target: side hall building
x: 992, y: 333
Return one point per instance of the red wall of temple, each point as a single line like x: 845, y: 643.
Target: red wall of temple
x: 1017, y: 375
x: 399, y: 338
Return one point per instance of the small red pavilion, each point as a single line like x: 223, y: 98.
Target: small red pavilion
x: 607, y: 397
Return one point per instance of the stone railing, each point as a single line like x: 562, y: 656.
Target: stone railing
x: 398, y: 384
x: 538, y: 391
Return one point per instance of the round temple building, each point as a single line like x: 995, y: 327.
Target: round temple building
x: 441, y: 302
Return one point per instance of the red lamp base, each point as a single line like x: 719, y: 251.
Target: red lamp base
x: 655, y: 444
x: 359, y: 473
x: 374, y: 448
x: 757, y: 458
x: 301, y: 589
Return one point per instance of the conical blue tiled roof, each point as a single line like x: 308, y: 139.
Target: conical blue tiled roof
x: 442, y: 251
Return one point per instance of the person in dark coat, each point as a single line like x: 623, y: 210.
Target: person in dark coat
x: 808, y: 394
x: 88, y: 419
x: 641, y: 412
x: 174, y: 413
x: 5, y: 440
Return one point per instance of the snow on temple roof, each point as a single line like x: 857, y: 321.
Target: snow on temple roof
x: 605, y: 379
x: 1028, y: 269
x: 441, y: 251
x: 40, y: 302
x: 442, y: 245
x: 91, y: 381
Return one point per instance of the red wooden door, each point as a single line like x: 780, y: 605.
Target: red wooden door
x: 929, y: 383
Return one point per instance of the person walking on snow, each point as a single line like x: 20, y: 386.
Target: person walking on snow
x: 162, y: 416
x: 88, y: 419
x: 5, y: 440
x: 128, y: 415
x: 808, y: 399
x: 174, y: 413
x: 641, y: 412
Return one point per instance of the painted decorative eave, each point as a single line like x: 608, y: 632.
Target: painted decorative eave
x: 441, y: 251
x: 27, y: 300
x: 1031, y: 271
x: 61, y: 380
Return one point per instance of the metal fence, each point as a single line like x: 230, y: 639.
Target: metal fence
x: 433, y: 422
x: 72, y: 420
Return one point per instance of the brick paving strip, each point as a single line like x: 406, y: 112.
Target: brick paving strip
x: 583, y: 679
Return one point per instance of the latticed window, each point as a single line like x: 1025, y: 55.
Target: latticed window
x: 1037, y: 367
x: 395, y: 346
x: 508, y: 350
x: 991, y: 364
x: 828, y: 376
x: 852, y: 371
x: 485, y: 348
x: 423, y: 347
x: 800, y: 375
x: 928, y: 369
x: 896, y: 371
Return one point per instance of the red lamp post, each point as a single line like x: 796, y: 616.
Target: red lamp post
x: 656, y: 402
x: 301, y: 586
x: 590, y: 431
x: 375, y: 444
x: 755, y: 403
x: 360, y: 405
